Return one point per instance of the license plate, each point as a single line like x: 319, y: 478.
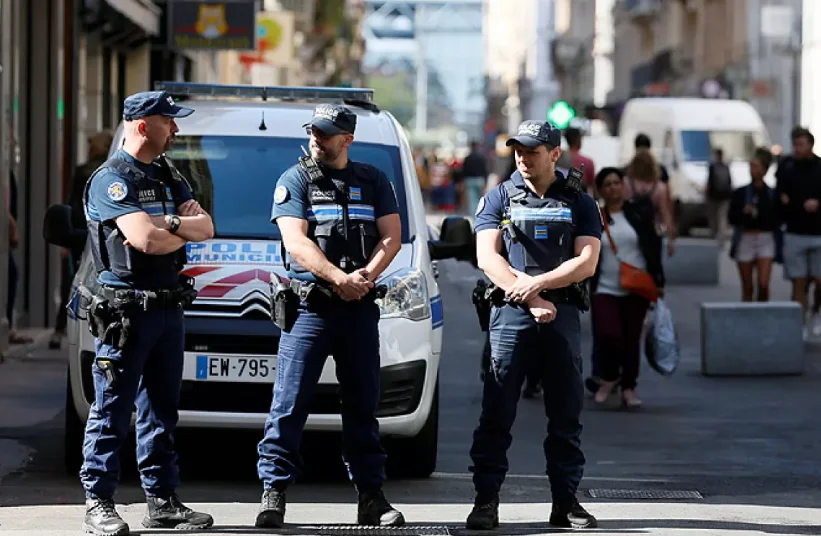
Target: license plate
x: 236, y: 369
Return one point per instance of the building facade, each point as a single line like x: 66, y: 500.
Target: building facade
x: 520, y: 78
x: 743, y: 49
x: 574, y: 51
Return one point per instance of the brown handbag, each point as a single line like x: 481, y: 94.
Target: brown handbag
x: 632, y: 278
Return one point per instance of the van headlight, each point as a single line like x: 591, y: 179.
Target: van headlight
x: 406, y: 296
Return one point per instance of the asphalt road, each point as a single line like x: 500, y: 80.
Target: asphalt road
x: 748, y: 446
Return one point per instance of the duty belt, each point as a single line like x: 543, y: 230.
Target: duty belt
x: 308, y: 290
x: 147, y: 299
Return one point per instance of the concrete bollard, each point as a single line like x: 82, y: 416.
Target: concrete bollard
x: 695, y: 262
x: 749, y: 339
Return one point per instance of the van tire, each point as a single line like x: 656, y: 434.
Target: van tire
x: 73, y: 434
x: 682, y: 226
x: 415, y: 457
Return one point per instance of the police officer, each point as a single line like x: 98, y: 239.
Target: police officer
x: 140, y: 215
x: 340, y: 226
x: 536, y: 236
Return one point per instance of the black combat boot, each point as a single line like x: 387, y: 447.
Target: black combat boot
x: 568, y: 513
x: 485, y: 513
x: 170, y: 513
x: 102, y: 519
x: 271, y: 510
x: 375, y: 510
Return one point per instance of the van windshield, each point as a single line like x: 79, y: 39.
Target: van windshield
x: 234, y: 177
x: 699, y: 145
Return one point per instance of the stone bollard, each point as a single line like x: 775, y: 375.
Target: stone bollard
x: 749, y: 339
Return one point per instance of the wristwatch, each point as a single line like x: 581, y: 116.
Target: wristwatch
x: 173, y: 223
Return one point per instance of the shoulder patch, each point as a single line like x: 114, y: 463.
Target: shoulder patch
x: 280, y: 194
x: 117, y: 191
x: 480, y: 206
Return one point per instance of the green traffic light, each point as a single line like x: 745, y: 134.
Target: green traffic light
x: 561, y: 114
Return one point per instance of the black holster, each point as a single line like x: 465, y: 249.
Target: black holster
x: 187, y: 292
x: 576, y: 294
x: 108, y: 323
x: 284, y: 306
x: 482, y: 304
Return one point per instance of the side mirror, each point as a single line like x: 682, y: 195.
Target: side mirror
x: 455, y: 241
x: 58, y: 228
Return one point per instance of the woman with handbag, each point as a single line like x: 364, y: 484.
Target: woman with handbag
x: 628, y: 278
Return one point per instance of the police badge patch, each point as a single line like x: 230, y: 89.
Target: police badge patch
x: 117, y: 191
x: 280, y: 195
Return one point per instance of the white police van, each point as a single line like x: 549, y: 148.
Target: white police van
x: 232, y: 150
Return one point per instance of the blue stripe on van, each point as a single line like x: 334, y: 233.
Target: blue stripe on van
x: 437, y: 312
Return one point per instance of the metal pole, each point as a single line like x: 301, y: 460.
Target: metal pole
x: 6, y: 74
x: 421, y: 71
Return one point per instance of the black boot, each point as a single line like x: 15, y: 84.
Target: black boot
x: 375, y: 510
x: 170, y: 513
x: 569, y: 513
x: 102, y: 519
x: 485, y: 513
x: 271, y: 510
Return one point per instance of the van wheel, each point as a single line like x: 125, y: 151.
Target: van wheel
x: 415, y: 457
x: 682, y: 225
x: 73, y: 436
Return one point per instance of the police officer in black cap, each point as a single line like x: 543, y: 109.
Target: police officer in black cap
x: 538, y: 234
x: 340, y: 227
x: 140, y: 215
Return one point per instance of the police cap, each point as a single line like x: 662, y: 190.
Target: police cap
x: 535, y: 133
x: 148, y: 103
x: 333, y: 119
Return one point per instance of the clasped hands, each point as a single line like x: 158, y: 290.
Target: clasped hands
x: 526, y: 290
x: 353, y: 286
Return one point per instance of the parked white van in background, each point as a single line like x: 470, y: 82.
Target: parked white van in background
x: 684, y: 133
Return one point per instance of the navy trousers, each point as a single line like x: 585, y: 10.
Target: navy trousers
x: 148, y: 375
x: 350, y: 332
x: 515, y: 339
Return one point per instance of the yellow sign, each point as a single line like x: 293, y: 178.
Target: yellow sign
x: 211, y: 22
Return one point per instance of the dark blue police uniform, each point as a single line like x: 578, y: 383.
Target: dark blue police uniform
x: 342, y: 210
x: 139, y: 346
x: 545, y: 229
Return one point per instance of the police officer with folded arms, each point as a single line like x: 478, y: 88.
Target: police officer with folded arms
x: 340, y: 228
x: 538, y: 238
x: 140, y: 215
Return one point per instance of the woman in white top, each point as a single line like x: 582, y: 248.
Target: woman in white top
x: 618, y: 315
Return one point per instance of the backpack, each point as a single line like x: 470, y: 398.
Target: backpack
x: 721, y: 183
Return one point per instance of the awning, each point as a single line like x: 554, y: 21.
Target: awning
x: 143, y: 13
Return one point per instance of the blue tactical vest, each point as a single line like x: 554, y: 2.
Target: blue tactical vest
x: 543, y: 229
x: 342, y: 219
x: 107, y: 247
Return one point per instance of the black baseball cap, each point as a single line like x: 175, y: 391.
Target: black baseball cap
x: 534, y: 133
x: 148, y: 103
x: 333, y: 119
